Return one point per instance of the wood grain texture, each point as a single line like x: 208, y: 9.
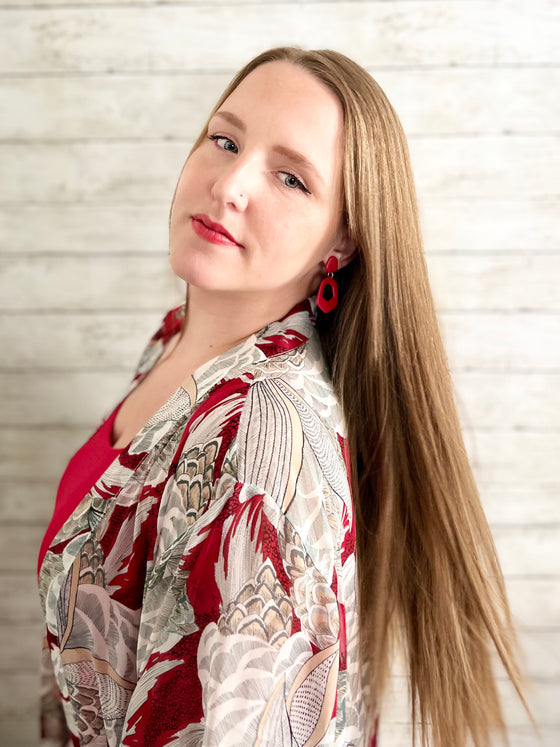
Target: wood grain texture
x: 535, y: 604
x: 520, y: 499
x: 482, y: 341
x: 502, y: 341
x: 29, y: 498
x: 482, y: 167
x: 513, y: 457
x: 524, y: 497
x: 126, y: 106
x: 100, y: 102
x: 486, y: 400
x: 459, y: 282
x: 379, y: 33
x: 19, y: 707
x: 504, y: 225
x: 525, y: 551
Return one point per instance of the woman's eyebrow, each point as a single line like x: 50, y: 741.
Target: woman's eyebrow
x: 297, y: 158
x: 232, y: 119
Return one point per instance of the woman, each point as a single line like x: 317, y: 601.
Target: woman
x: 218, y: 582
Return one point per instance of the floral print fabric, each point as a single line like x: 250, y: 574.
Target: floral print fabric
x: 203, y: 591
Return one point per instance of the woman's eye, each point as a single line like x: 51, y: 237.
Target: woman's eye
x: 293, y: 182
x: 224, y: 142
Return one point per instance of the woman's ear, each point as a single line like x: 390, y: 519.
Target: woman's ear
x: 345, y: 250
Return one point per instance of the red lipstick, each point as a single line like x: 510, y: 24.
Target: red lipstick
x: 212, y: 231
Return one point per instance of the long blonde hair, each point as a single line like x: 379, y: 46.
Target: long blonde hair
x: 429, y: 579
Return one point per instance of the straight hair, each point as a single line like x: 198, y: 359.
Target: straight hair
x: 430, y: 586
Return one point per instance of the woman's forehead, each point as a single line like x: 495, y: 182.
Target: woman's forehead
x: 292, y: 108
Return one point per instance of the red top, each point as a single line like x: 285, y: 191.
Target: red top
x: 83, y: 471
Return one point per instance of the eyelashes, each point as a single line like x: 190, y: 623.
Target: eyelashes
x: 295, y: 182
x: 290, y: 181
x: 217, y: 138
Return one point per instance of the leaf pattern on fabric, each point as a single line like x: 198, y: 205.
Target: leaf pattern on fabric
x: 203, y: 591
x: 261, y: 609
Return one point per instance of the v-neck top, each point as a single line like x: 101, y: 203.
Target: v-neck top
x: 82, y: 472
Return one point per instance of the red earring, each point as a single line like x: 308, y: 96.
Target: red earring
x: 328, y: 304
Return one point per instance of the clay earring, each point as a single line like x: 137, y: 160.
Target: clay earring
x: 328, y: 304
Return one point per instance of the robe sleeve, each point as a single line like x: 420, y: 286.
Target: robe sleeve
x: 53, y: 729
x: 275, y: 666
x: 250, y: 625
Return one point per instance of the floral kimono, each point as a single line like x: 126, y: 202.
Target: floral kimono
x: 203, y: 591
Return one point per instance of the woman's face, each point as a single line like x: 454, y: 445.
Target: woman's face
x: 257, y: 208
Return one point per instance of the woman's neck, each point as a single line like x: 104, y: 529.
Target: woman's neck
x: 215, y: 322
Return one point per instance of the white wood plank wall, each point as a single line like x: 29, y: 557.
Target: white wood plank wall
x: 99, y: 102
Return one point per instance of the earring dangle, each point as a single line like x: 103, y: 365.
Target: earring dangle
x: 324, y: 303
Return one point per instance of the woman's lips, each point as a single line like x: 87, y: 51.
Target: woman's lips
x: 211, y: 231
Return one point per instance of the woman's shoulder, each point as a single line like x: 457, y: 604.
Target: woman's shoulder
x: 168, y: 327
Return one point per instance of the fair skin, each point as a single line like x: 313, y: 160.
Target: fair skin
x: 256, y: 214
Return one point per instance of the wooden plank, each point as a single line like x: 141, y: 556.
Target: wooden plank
x: 540, y: 657
x: 19, y: 546
x: 535, y: 603
x: 19, y: 718
x: 521, y: 500
x: 541, y: 698
x: 490, y: 283
x: 486, y: 166
x: 528, y: 551
x: 540, y: 654
x: 29, y: 501
x: 80, y: 398
x: 38, y: 455
x: 114, y: 340
x: 508, y: 400
x: 503, y: 459
x: 165, y: 37
x: 89, y: 283
x: 75, y: 399
x: 473, y: 101
x: 501, y: 224
x: 20, y: 603
x: 102, y: 106
x: 502, y: 341
x: 523, y: 458
x: 19, y: 708
x: 523, y: 551
x: 128, y: 171
x: 451, y: 101
x: 22, y: 651
x: 472, y: 225
x: 111, y: 340
x: 459, y: 282
x: 91, y: 171
x: 79, y: 228
x: 400, y: 735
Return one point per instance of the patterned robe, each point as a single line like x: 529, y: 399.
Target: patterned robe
x: 203, y: 591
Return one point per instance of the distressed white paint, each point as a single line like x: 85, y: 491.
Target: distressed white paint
x: 100, y: 102
x: 488, y: 166
x: 459, y: 282
x: 377, y: 33
x: 486, y: 400
x: 108, y: 228
x: 453, y: 101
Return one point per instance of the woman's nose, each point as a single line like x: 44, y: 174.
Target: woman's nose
x: 233, y: 186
